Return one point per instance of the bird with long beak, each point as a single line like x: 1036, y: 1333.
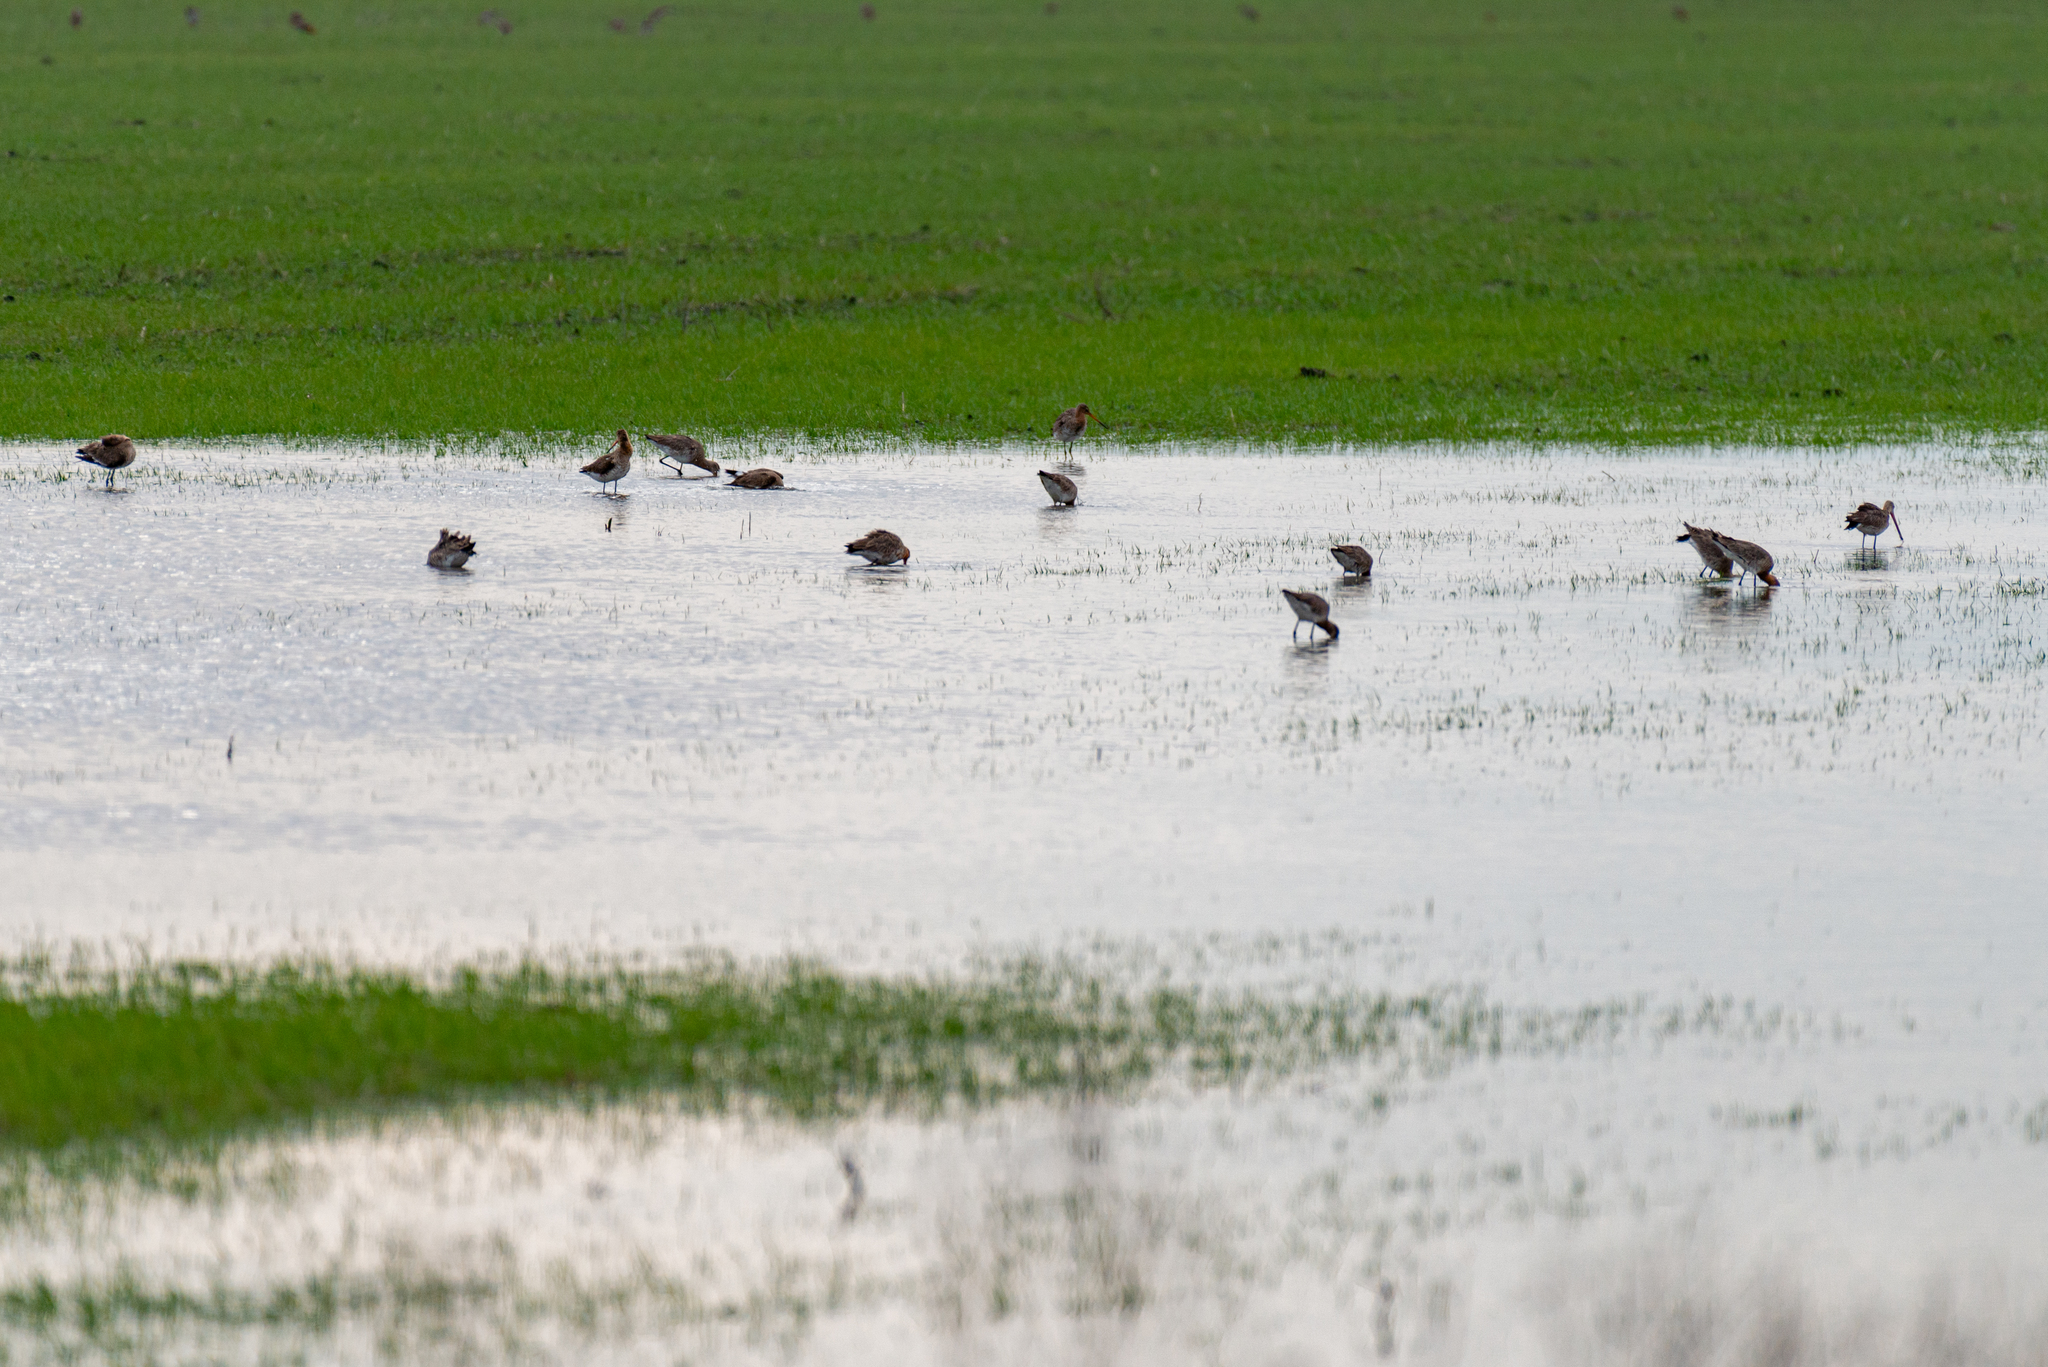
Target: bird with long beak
x: 614, y: 465
x: 681, y: 450
x: 1712, y: 557
x: 762, y: 478
x: 111, y: 452
x: 880, y: 548
x: 1058, y: 488
x: 1068, y: 426
x: 1754, y: 559
x: 1312, y: 608
x: 1355, y: 560
x: 1871, y: 520
x: 452, y: 551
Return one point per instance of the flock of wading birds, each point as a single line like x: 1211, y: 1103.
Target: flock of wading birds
x: 1719, y: 554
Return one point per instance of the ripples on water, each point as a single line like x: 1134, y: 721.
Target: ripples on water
x: 1543, y: 759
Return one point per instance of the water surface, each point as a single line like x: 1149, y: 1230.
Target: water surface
x: 1543, y: 760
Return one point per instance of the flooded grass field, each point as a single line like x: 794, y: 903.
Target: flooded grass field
x: 1737, y: 885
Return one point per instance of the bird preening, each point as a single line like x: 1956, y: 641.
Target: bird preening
x: 613, y: 466
x: 452, y: 551
x: 880, y: 548
x: 111, y: 452
x: 1871, y: 520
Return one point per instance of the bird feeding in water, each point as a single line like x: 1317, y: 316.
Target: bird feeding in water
x: 880, y: 548
x: 1058, y: 488
x: 111, y: 452
x: 1068, y: 426
x: 763, y: 478
x: 1871, y: 520
x: 1754, y: 559
x: 1312, y: 608
x: 452, y: 551
x: 680, y: 450
x: 614, y: 465
x: 1713, y: 558
x: 1355, y: 560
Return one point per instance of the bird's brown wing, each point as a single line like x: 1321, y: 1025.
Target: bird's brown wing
x: 676, y: 442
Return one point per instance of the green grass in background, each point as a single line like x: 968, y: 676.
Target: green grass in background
x: 1778, y: 218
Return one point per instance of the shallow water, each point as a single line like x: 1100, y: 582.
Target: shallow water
x: 1543, y: 759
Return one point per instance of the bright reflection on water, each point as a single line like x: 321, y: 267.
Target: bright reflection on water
x: 1542, y: 759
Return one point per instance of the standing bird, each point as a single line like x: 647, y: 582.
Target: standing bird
x: 614, y: 465
x: 880, y: 548
x: 1058, y: 487
x: 1871, y: 520
x: 683, y: 451
x: 1068, y: 426
x: 1712, y: 556
x: 111, y: 452
x: 1355, y: 560
x: 1311, y: 608
x: 763, y: 478
x: 1754, y: 559
x: 452, y: 551
x: 299, y: 23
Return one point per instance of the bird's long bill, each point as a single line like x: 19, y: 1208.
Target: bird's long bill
x: 1897, y: 528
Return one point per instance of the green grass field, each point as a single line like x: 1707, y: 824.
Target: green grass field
x: 1809, y: 219
x: 187, y: 1051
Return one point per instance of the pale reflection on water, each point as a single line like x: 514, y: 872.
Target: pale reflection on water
x: 707, y: 724
x: 1543, y: 759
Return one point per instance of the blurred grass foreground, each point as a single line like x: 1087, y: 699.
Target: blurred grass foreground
x: 190, y: 1050
x: 1307, y: 220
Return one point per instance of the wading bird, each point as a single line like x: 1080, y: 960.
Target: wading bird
x: 452, y: 551
x: 1754, y: 559
x: 683, y: 451
x: 1712, y: 557
x: 111, y: 452
x: 763, y: 478
x: 880, y: 548
x: 1871, y: 520
x: 614, y: 465
x: 1311, y: 608
x: 1355, y: 560
x: 1068, y: 426
x: 1058, y: 487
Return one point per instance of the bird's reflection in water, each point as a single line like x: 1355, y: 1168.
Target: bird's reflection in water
x: 617, y: 512
x: 1056, y: 521
x: 1350, y: 589
x: 1308, y: 667
x: 1726, y: 609
x: 1867, y: 559
x: 880, y: 578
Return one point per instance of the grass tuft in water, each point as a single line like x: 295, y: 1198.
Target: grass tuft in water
x: 186, y: 1050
